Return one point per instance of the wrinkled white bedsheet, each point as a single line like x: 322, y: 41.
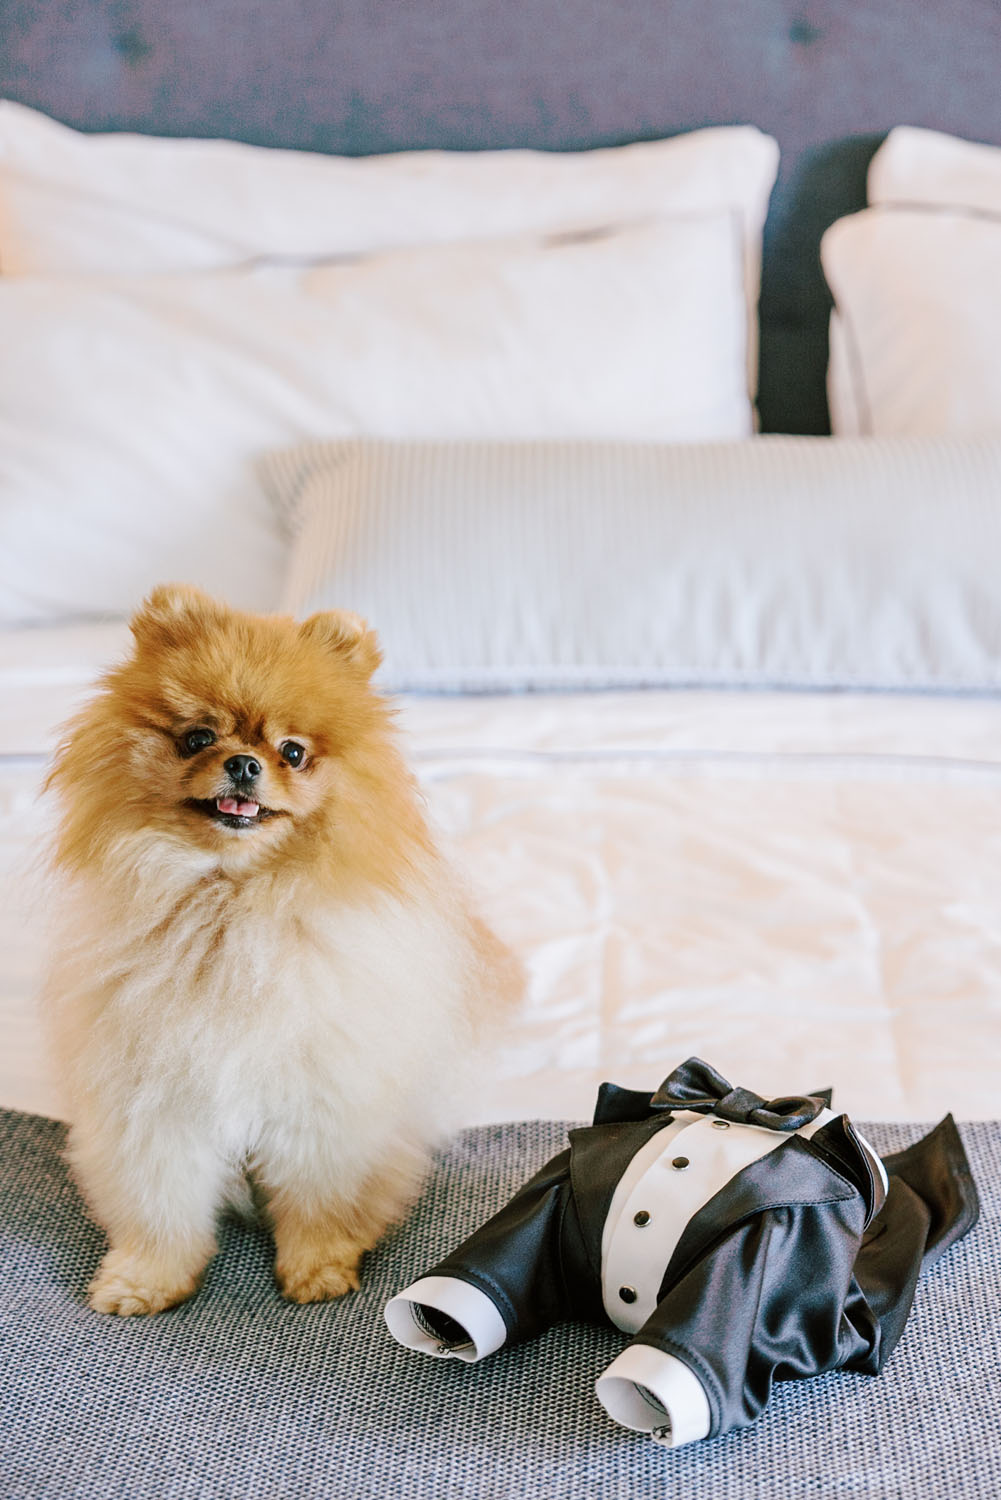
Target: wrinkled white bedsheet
x: 804, y: 889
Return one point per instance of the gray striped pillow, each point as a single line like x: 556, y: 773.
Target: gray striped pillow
x: 780, y: 562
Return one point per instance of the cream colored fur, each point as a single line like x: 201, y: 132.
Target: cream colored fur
x: 322, y: 1050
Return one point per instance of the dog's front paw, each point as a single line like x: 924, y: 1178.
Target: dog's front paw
x: 312, y: 1282
x: 129, y: 1284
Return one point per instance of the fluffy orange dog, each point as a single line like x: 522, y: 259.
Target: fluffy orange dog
x: 266, y: 976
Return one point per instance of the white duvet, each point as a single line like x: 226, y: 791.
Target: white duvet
x: 805, y: 889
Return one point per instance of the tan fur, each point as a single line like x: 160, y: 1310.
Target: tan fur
x: 291, y: 1002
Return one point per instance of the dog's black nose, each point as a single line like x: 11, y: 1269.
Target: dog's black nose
x: 242, y: 768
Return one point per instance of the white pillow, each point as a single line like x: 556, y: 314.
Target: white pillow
x: 917, y: 323
x: 915, y: 166
x: 916, y: 304
x: 131, y: 409
x: 786, y: 562
x: 128, y: 203
x: 121, y: 203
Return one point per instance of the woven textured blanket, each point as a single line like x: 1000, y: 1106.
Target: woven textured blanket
x: 239, y: 1394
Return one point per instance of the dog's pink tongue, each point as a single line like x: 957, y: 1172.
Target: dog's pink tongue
x: 237, y: 809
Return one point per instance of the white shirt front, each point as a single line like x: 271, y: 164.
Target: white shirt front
x: 663, y: 1187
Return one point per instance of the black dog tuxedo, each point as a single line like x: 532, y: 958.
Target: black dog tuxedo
x: 738, y: 1241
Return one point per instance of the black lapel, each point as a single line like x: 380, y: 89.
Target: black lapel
x: 791, y: 1173
x: 599, y: 1154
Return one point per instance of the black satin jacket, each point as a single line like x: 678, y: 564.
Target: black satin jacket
x: 796, y: 1267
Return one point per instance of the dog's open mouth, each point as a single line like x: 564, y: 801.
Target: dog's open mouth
x: 234, y: 812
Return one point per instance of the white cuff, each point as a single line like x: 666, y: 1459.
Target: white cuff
x: 472, y: 1309
x: 651, y: 1391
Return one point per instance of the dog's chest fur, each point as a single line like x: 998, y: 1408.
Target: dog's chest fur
x: 254, y: 1007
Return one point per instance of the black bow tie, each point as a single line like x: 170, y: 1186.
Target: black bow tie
x: 695, y: 1085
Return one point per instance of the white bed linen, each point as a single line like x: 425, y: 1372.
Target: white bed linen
x: 803, y: 888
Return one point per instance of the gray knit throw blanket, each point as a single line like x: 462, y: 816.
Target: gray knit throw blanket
x: 238, y: 1395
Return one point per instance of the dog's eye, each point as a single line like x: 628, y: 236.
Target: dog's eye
x: 195, y: 740
x: 292, y: 753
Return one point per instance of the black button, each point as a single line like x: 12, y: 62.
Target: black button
x: 627, y: 1293
x: 680, y: 1163
x: 642, y: 1218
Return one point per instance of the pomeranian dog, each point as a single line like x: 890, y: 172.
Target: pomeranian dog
x: 265, y: 978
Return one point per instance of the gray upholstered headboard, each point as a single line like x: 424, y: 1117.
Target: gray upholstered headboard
x: 828, y: 78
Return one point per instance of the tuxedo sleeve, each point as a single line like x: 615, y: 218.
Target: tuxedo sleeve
x: 775, y: 1300
x: 502, y: 1285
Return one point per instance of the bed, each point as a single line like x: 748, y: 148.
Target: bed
x: 712, y: 724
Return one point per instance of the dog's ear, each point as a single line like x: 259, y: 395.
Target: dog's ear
x: 347, y: 636
x: 172, y: 612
